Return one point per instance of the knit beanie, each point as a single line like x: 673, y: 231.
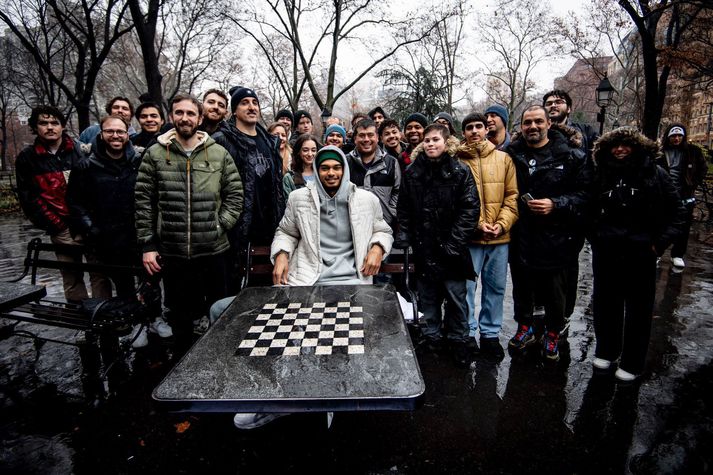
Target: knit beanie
x: 238, y: 93
x: 298, y: 115
x: 500, y: 111
x: 416, y: 117
x: 448, y: 118
x: 336, y: 128
x: 329, y: 152
x: 284, y: 113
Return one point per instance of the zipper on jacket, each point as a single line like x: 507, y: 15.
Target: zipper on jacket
x: 188, y: 208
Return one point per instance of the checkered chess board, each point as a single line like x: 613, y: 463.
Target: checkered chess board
x: 319, y: 328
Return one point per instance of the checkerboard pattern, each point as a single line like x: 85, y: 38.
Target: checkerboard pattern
x: 319, y: 328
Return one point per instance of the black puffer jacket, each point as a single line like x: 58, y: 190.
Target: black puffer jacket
x: 244, y: 153
x: 437, y: 212
x: 635, y: 201
x: 101, y: 201
x: 551, y: 241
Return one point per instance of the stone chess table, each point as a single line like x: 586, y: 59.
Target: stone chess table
x: 300, y: 349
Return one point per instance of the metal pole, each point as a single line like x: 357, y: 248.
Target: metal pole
x: 602, y: 115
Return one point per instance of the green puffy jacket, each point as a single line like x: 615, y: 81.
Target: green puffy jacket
x: 185, y: 205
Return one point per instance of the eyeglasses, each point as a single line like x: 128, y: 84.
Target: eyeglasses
x: 556, y: 102
x: 118, y: 133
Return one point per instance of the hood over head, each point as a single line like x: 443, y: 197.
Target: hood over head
x: 330, y: 152
x: 640, y: 144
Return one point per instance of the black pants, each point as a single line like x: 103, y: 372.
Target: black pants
x: 532, y: 287
x: 624, y: 289
x: 191, y: 286
x: 680, y: 244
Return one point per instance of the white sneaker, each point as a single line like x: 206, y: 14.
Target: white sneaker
x: 601, y: 363
x: 160, y: 326
x: 139, y: 336
x: 678, y: 262
x: 252, y: 420
x: 625, y: 376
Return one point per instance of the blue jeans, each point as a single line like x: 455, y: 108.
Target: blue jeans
x: 490, y: 263
x: 454, y: 324
x: 218, y: 307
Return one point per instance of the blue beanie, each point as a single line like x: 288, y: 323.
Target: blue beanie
x: 336, y: 128
x: 500, y: 111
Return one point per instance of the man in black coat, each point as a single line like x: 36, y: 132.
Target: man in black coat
x: 257, y: 157
x: 687, y: 167
x: 437, y: 212
x: 558, y: 105
x: 554, y: 179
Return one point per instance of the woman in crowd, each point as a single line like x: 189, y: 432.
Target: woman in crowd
x: 280, y: 130
x: 300, y: 172
x: 637, y: 212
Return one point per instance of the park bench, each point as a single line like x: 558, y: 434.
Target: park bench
x: 100, y: 321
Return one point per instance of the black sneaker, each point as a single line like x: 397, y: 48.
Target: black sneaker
x: 430, y: 345
x: 472, y: 345
x: 490, y: 348
x: 460, y: 353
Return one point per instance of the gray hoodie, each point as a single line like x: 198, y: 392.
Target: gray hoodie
x: 335, y: 236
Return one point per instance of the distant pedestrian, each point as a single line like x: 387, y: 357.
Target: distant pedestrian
x: 687, y: 168
x: 637, y: 213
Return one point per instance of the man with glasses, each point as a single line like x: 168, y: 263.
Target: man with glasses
x: 43, y: 172
x: 558, y: 105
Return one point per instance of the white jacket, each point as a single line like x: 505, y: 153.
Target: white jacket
x: 298, y: 232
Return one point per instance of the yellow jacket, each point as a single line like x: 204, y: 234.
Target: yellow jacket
x: 494, y: 176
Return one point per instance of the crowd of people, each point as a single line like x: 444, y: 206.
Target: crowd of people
x: 185, y: 194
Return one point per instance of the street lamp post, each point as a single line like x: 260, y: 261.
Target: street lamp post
x: 326, y: 114
x: 605, y: 92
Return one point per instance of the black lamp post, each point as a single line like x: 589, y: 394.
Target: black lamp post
x: 615, y: 124
x: 326, y: 114
x: 605, y: 92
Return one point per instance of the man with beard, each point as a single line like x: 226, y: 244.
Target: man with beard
x: 215, y: 109
x: 687, y: 167
x: 553, y: 178
x: 558, y: 105
x: 498, y: 134
x: 257, y: 156
x: 151, y: 120
x: 413, y: 133
x: 188, y: 196
x: 374, y: 170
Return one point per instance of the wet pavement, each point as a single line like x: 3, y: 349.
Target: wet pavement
x: 514, y: 416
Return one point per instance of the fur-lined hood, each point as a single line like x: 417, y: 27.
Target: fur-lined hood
x: 624, y: 135
x: 452, y: 145
x: 573, y: 135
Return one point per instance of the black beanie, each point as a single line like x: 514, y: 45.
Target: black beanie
x: 416, y: 117
x: 239, y: 93
x: 285, y: 113
x: 298, y: 115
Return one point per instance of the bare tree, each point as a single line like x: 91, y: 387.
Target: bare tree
x: 81, y: 32
x: 321, y: 27
x: 517, y: 38
x: 661, y: 27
